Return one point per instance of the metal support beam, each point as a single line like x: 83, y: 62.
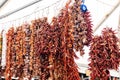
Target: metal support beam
x: 21, y: 8
x: 1, y: 5
x: 107, y: 16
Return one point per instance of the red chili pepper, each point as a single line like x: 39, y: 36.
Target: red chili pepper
x: 105, y: 52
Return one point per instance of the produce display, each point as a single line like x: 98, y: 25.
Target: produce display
x: 104, y: 55
x: 43, y: 50
x: 10, y: 61
x: 82, y: 27
x: 46, y: 51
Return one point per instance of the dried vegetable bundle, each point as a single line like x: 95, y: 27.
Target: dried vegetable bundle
x: 104, y: 55
x: 14, y: 49
x: 9, y: 54
x: 89, y: 25
x: 19, y: 51
x: 82, y: 27
x: 35, y: 57
x: 41, y: 49
x: 1, y: 41
x: 26, y: 51
x: 45, y: 51
x: 14, y: 53
x: 54, y: 45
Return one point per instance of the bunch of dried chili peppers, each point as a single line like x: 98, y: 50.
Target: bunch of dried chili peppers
x: 1, y: 40
x: 19, y: 51
x: 104, y: 55
x: 10, y: 54
x: 45, y: 50
x: 82, y: 27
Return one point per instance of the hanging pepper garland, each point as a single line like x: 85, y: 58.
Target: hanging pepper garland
x: 104, y: 55
x: 10, y: 37
x: 45, y: 51
x: 35, y: 61
x: 82, y: 26
x: 42, y: 48
x: 67, y: 44
x: 1, y: 42
x: 13, y: 55
x: 26, y: 51
x: 89, y: 25
x: 19, y: 51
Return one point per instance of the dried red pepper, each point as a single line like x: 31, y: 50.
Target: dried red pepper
x: 67, y: 44
x: 104, y: 54
x: 82, y: 27
x: 19, y: 51
x: 26, y: 51
x: 9, y: 62
x: 48, y: 49
x: 87, y: 19
x: 1, y: 42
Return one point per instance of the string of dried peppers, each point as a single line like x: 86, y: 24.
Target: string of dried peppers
x: 26, y: 51
x: 104, y: 55
x: 36, y: 58
x: 19, y: 51
x: 45, y: 51
x: 10, y: 46
x: 82, y: 27
x: 1, y: 41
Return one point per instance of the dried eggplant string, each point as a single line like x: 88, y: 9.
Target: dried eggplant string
x: 104, y: 55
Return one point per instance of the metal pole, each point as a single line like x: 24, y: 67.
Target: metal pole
x: 107, y: 16
x: 21, y: 8
x: 3, y: 3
